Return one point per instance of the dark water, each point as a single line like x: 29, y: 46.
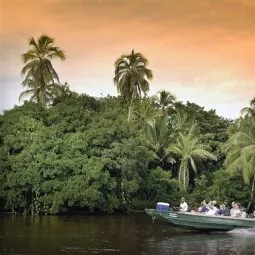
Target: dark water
x: 121, y: 234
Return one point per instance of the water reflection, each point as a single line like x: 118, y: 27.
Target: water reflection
x: 212, y: 244
x: 116, y: 234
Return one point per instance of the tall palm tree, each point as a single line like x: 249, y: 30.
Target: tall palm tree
x: 164, y: 99
x: 188, y: 149
x: 250, y: 111
x: 131, y: 77
x: 38, y: 69
x: 240, y: 157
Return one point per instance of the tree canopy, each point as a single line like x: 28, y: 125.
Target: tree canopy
x: 41, y: 79
x: 131, y: 77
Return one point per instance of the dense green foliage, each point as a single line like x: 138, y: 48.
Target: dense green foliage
x: 83, y: 153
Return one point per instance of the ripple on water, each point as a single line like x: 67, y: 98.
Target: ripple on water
x: 243, y: 232
x: 70, y: 249
x: 104, y: 250
x: 212, y: 244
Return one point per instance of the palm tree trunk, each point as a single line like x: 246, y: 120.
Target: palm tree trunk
x: 42, y: 92
x: 130, y: 106
x: 182, y: 176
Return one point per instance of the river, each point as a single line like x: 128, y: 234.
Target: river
x: 115, y: 234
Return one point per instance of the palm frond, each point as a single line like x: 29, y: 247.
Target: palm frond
x: 203, y: 154
x: 26, y: 93
x: 131, y: 72
x: 193, y: 165
x: 240, y: 156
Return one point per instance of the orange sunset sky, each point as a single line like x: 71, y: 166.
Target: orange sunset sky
x: 203, y: 51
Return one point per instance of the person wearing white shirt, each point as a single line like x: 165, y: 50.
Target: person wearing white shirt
x: 236, y: 212
x: 183, y: 205
x: 212, y: 209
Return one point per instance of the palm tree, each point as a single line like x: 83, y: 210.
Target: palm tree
x: 182, y: 122
x: 64, y: 90
x: 157, y: 134
x: 250, y: 111
x: 164, y: 99
x: 188, y: 150
x: 131, y: 77
x: 240, y: 157
x: 38, y: 69
x: 144, y: 111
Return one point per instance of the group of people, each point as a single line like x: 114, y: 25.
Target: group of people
x: 210, y: 208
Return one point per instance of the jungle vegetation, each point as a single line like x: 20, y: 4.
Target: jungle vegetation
x: 61, y: 150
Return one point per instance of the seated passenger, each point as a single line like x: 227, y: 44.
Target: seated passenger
x: 251, y: 213
x: 243, y: 213
x: 232, y: 208
x: 212, y: 208
x: 235, y: 212
x: 203, y: 208
x: 222, y: 211
x: 183, y: 205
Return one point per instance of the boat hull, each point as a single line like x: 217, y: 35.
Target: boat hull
x: 200, y: 221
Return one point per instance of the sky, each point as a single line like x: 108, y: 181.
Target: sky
x: 202, y: 51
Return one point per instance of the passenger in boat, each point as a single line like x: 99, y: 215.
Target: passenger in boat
x: 222, y: 211
x: 251, y: 212
x: 236, y: 212
x: 227, y: 210
x: 243, y: 213
x: 209, y: 204
x: 203, y: 207
x: 212, y: 208
x: 183, y: 205
x: 233, y: 204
